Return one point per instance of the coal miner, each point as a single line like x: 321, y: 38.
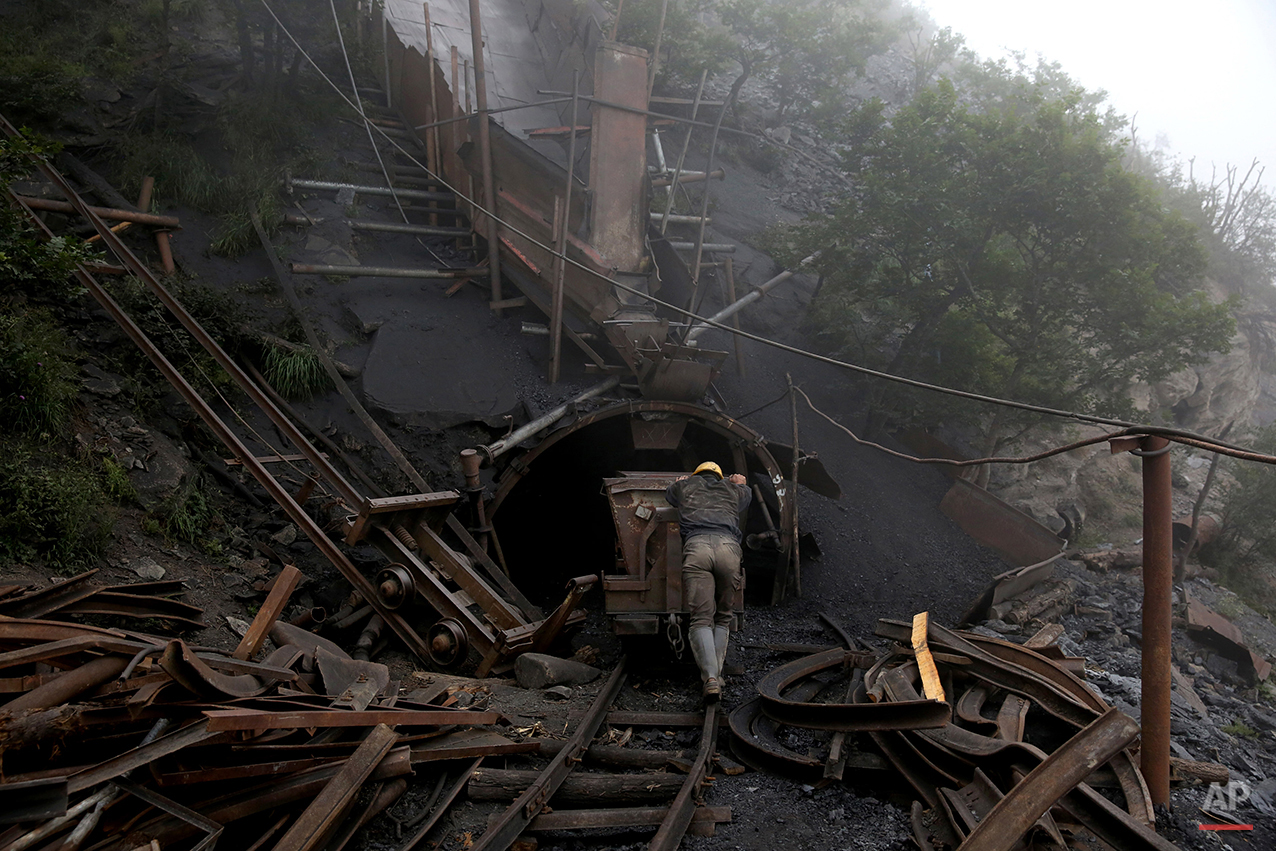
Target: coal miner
x: 709, y: 511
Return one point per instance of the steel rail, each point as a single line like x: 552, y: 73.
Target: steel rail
x: 676, y: 821
x: 1059, y: 773
x: 511, y: 824
x: 849, y: 717
x: 112, y: 242
x: 276, y: 490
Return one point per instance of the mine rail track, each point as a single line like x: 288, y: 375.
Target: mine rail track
x: 530, y: 813
x: 479, y: 608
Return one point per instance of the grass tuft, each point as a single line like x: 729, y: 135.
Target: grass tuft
x: 296, y: 374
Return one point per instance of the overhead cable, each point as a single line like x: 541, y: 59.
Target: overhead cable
x: 1179, y: 435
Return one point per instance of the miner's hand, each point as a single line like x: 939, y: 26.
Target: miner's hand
x: 736, y: 478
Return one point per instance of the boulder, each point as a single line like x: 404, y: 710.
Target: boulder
x: 538, y: 670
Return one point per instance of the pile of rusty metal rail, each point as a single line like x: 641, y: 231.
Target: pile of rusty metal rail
x: 79, y: 596
x: 999, y: 745
x: 114, y: 739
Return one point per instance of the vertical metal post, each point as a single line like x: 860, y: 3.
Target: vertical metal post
x: 735, y: 318
x: 793, y: 490
x: 434, y: 97
x: 615, y: 22
x: 1157, y: 601
x: 655, y: 51
x: 385, y: 57
x: 560, y: 260
x: 466, y: 81
x: 485, y: 153
x: 456, y: 80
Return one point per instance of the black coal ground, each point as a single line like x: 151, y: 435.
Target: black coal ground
x: 885, y: 549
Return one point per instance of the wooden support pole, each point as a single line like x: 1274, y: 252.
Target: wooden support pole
x: 560, y: 258
x: 793, y: 490
x: 436, y: 154
x: 738, y: 342
x: 485, y: 153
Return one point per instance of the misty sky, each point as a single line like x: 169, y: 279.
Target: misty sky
x: 1204, y: 74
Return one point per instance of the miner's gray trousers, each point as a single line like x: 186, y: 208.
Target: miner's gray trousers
x: 711, y: 576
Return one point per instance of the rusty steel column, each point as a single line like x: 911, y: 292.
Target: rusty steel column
x: 485, y: 153
x: 1157, y: 590
x: 560, y: 259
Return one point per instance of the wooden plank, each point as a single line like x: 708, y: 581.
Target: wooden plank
x: 931, y: 686
x: 269, y: 612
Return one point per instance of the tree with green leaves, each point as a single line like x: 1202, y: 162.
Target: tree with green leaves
x: 997, y: 245
x: 687, y: 44
x: 804, y: 48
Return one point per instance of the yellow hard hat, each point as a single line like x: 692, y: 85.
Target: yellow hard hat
x: 709, y: 465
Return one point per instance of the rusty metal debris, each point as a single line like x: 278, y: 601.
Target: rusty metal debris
x: 126, y: 721
x: 977, y: 780
x: 1208, y: 625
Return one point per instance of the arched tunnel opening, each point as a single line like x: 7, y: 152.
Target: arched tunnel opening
x: 555, y: 522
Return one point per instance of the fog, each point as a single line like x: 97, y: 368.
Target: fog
x: 1200, y: 76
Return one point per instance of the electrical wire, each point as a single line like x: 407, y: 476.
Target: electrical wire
x: 1040, y: 456
x: 358, y: 104
x: 1181, y: 436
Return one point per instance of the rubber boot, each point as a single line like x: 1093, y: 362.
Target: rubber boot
x: 706, y: 656
x: 721, y: 635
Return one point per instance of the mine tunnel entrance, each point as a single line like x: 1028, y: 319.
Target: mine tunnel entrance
x: 554, y: 521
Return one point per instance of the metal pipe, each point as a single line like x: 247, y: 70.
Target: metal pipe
x: 465, y: 117
x: 517, y: 436
x: 535, y: 329
x: 1157, y: 604
x: 470, y: 464
x: 77, y: 681
x: 736, y: 307
x: 165, y: 252
x: 711, y: 247
x: 367, y: 638
x: 485, y: 154
x: 382, y: 227
x: 560, y: 260
x: 677, y: 220
x: 110, y: 213
x: 690, y: 177
x: 387, y: 272
x: 415, y: 194
x: 682, y: 157
x: 352, y: 618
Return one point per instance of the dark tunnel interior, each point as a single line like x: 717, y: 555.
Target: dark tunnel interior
x: 556, y: 523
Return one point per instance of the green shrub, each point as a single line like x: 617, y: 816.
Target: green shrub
x: 188, y: 516
x: 51, y: 507
x: 37, y: 377
x: 116, y: 482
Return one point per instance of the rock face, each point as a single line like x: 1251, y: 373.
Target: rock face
x: 1227, y: 394
x: 1226, y: 390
